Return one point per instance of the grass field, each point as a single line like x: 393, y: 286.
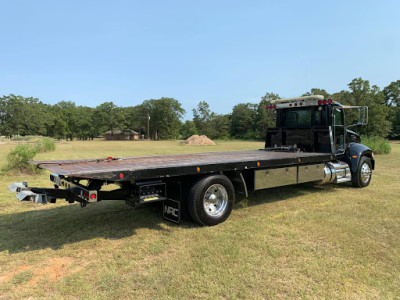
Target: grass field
x: 304, y: 241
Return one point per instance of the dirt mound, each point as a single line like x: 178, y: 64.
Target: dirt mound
x: 199, y: 140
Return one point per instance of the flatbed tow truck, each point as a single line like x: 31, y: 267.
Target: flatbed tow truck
x: 310, y: 143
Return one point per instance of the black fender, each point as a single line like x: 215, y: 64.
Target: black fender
x: 355, y: 152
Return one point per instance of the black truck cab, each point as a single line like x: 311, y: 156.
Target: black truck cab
x: 315, y: 124
x: 310, y: 124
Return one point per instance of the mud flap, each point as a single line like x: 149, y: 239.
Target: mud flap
x: 172, y: 210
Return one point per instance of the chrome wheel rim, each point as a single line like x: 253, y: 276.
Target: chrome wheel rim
x: 365, y: 173
x: 215, y: 200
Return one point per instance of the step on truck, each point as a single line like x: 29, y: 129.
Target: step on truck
x: 310, y: 143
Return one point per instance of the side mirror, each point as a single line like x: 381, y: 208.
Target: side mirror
x: 359, y: 113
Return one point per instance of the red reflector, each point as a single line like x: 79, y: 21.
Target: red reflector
x: 330, y: 101
x: 319, y: 102
x: 93, y: 196
x: 301, y: 103
x: 121, y: 176
x: 274, y: 106
x: 290, y: 104
x: 295, y: 104
x: 324, y: 101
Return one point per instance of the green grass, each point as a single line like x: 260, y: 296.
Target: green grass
x: 304, y: 241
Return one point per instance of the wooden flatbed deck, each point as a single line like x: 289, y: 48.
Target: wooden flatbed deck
x: 150, y: 167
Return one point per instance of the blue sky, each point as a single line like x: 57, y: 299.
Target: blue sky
x: 222, y: 52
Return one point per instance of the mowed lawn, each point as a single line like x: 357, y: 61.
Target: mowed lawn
x: 306, y: 241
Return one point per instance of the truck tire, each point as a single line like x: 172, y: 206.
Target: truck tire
x: 362, y: 177
x: 211, y: 199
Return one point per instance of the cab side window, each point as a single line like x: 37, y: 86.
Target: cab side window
x: 320, y: 116
x: 338, y: 116
x: 339, y: 133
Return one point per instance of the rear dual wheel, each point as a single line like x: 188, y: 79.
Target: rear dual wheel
x: 211, y: 199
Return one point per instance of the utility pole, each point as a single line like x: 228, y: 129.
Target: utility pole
x: 148, y: 126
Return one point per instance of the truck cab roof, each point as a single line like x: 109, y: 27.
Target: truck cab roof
x: 313, y: 100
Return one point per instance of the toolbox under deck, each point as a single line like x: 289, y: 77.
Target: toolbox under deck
x: 150, y: 167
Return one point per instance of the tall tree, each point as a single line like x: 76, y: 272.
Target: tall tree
x: 220, y: 125
x: 202, y: 117
x: 66, y: 119
x: 392, y: 100
x: 264, y: 118
x: 23, y: 116
x: 85, y: 127
x: 8, y: 118
x: 209, y: 123
x: 188, y: 129
x: 243, y: 120
x: 316, y: 91
x: 135, y: 118
x: 109, y: 116
x: 165, y: 115
x: 362, y: 94
x: 392, y: 93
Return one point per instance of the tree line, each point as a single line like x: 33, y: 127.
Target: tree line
x: 66, y: 120
x: 29, y: 116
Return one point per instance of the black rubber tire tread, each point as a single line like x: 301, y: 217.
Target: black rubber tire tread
x: 356, y: 177
x: 195, y: 199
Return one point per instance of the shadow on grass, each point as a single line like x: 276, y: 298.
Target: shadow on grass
x: 286, y: 192
x: 54, y: 227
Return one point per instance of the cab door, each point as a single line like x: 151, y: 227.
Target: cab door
x: 339, y: 132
